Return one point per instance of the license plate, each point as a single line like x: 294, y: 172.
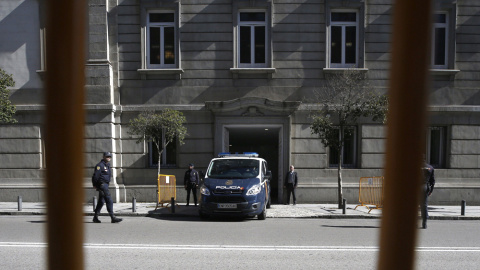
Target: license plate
x: 227, y: 205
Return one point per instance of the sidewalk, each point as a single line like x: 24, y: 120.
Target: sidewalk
x: 436, y: 212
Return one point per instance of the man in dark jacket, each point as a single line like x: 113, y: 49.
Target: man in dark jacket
x: 102, y: 177
x: 191, y: 181
x: 427, y: 188
x: 291, y: 181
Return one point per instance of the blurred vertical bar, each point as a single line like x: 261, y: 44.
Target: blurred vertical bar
x: 65, y: 81
x: 406, y: 132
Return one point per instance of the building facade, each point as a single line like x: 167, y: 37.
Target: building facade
x: 243, y: 72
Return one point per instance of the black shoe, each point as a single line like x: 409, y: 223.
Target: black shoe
x: 96, y: 220
x: 294, y: 203
x: 424, y: 224
x: 116, y: 220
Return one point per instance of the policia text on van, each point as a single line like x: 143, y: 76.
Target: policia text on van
x: 236, y: 184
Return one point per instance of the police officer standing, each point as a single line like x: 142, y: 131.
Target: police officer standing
x: 102, y: 177
x: 291, y: 181
x: 427, y: 188
x: 191, y: 181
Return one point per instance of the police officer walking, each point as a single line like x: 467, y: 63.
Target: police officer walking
x: 101, y: 178
x: 191, y: 181
x: 427, y: 188
x: 291, y: 181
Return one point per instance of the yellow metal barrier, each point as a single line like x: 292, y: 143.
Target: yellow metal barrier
x: 371, y: 192
x: 166, y: 189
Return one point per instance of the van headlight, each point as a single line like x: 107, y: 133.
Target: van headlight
x: 254, y: 190
x: 204, y: 191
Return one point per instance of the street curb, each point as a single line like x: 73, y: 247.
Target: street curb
x: 182, y: 215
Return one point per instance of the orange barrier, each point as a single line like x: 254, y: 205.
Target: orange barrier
x: 166, y: 189
x: 371, y: 192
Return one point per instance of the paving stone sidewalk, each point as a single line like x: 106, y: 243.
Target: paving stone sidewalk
x: 444, y: 212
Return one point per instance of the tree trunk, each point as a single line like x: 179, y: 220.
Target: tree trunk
x: 340, y: 161
x: 160, y: 151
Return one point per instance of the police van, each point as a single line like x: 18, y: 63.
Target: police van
x: 236, y: 184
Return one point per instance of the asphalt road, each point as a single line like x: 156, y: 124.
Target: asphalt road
x: 189, y: 243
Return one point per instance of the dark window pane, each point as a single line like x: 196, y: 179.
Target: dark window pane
x: 154, y: 45
x: 437, y: 147
x: 169, y: 46
x: 171, y: 153
x: 154, y: 153
x: 440, y: 18
x: 350, y: 45
x: 336, y: 45
x: 440, y: 40
x: 245, y: 45
x: 348, y: 148
x: 252, y: 16
x: 333, y: 158
x: 344, y: 17
x: 259, y: 44
x: 161, y: 17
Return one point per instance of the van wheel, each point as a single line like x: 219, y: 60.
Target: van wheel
x: 203, y: 216
x: 263, y: 215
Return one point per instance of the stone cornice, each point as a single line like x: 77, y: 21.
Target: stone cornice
x: 251, y: 106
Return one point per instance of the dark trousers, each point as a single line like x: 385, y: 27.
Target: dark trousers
x: 104, y: 197
x: 424, y: 204
x: 291, y: 189
x: 193, y: 188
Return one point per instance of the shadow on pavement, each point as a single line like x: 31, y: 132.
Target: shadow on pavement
x: 352, y: 227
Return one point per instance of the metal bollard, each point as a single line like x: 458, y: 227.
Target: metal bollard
x: 134, y: 205
x: 19, y: 203
x: 464, y: 204
x: 173, y: 204
x: 344, y: 206
x: 94, y: 203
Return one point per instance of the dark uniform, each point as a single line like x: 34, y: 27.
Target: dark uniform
x: 291, y: 181
x: 191, y: 181
x: 103, y: 175
x: 427, y: 188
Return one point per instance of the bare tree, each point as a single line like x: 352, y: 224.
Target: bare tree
x: 344, y: 99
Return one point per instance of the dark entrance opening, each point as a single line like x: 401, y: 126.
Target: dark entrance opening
x: 265, y: 142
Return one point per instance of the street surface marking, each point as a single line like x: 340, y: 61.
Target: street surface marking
x: 235, y: 247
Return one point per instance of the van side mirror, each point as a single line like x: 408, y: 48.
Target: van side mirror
x: 268, y: 175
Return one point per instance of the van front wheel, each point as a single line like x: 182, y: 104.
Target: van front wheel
x: 263, y: 215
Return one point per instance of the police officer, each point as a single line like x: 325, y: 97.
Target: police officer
x: 427, y: 188
x: 191, y: 181
x: 102, y: 176
x: 291, y: 181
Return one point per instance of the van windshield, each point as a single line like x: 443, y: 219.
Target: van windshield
x: 234, y: 168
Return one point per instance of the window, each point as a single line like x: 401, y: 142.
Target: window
x: 160, y: 50
x: 252, y: 44
x: 252, y: 37
x: 349, y: 150
x: 436, y: 146
x: 443, y: 37
x: 161, y: 40
x: 169, y: 155
x: 440, y: 41
x: 343, y: 39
